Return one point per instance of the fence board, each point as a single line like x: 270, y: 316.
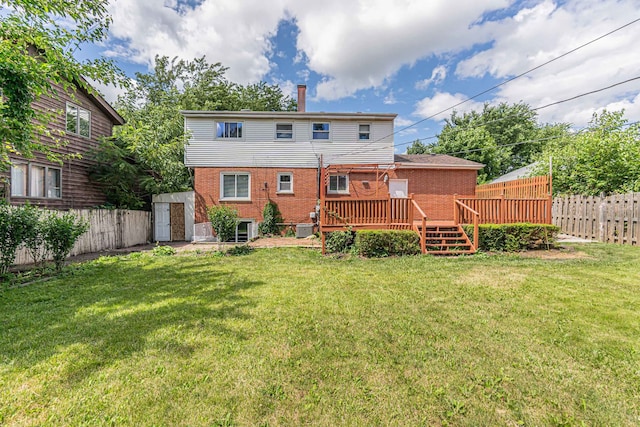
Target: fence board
x: 612, y: 219
x: 108, y: 229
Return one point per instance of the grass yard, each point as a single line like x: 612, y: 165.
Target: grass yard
x: 287, y: 337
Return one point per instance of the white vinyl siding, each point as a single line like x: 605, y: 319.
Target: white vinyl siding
x: 258, y: 148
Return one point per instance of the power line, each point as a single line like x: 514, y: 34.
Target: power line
x: 533, y: 109
x: 504, y: 82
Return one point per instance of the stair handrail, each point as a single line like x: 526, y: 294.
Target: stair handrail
x: 476, y: 219
x: 423, y: 230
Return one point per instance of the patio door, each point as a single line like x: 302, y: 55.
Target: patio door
x: 399, y: 205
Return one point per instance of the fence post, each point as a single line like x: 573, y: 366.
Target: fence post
x: 602, y: 219
x: 502, y: 208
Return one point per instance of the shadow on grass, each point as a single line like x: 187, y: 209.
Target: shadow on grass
x: 113, y: 308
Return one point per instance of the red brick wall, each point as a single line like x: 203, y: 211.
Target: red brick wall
x: 295, y: 207
x: 434, y: 189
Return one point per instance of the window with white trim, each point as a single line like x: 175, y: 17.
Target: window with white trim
x: 320, y: 130
x: 229, y: 130
x: 285, y: 182
x: 235, y: 186
x: 78, y: 120
x: 36, y: 181
x: 284, y: 131
x: 339, y: 184
x: 364, y: 132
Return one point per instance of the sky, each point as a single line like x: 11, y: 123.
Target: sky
x: 414, y: 58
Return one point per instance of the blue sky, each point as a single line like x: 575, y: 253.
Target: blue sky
x: 410, y: 57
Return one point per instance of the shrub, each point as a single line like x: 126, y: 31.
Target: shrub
x: 60, y: 233
x: 33, y: 239
x: 514, y: 237
x: 290, y: 232
x: 382, y: 243
x: 224, y: 220
x: 163, y: 250
x: 11, y: 236
x: 340, y: 242
x: 272, y: 218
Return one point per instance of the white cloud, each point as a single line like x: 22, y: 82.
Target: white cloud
x: 547, y: 30
x: 228, y: 31
x: 438, y: 75
x: 109, y: 92
x: 438, y: 106
x: 390, y: 99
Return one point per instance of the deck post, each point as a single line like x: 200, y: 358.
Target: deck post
x: 389, y: 211
x: 502, y: 209
x: 423, y: 236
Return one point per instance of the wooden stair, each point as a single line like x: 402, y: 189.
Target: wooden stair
x: 447, y: 239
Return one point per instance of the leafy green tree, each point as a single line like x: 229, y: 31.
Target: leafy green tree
x: 272, y: 217
x: 61, y: 231
x: 148, y: 151
x: 604, y: 158
x: 37, y: 42
x: 503, y: 137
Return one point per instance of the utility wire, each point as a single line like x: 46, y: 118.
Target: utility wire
x: 504, y: 82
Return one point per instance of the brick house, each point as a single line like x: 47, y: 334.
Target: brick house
x: 247, y: 158
x: 81, y: 118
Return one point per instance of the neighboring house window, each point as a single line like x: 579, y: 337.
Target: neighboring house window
x: 285, y: 183
x: 229, y: 130
x: 284, y: 131
x: 364, y: 132
x: 78, y: 120
x: 320, y: 130
x: 40, y: 181
x: 339, y: 184
x: 19, y: 180
x: 235, y: 186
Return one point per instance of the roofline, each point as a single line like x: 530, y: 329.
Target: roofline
x: 408, y: 165
x: 97, y: 99
x: 289, y: 115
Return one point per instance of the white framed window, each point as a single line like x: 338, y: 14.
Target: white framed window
x: 284, y: 130
x: 36, y: 181
x: 364, y: 132
x: 229, y: 130
x: 235, y: 186
x: 78, y: 120
x: 320, y: 130
x: 339, y: 184
x: 285, y: 182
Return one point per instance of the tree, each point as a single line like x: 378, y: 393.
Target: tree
x: 503, y: 137
x: 149, y: 149
x: 37, y: 42
x: 604, y: 158
x: 224, y: 220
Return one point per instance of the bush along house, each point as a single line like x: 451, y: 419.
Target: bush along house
x: 334, y: 169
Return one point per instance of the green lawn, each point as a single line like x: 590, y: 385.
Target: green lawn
x: 287, y: 337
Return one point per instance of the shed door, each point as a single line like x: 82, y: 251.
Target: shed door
x: 162, y: 222
x: 398, y: 188
x: 177, y: 222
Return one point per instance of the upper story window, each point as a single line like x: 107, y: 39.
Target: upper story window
x: 320, y: 130
x: 285, y: 182
x: 36, y: 181
x: 339, y: 184
x: 235, y: 186
x: 229, y: 130
x: 78, y: 120
x: 364, y: 132
x: 284, y: 131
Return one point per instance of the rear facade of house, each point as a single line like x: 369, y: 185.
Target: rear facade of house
x: 246, y: 159
x: 80, y: 119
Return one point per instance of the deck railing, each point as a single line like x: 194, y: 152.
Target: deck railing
x: 464, y: 214
x: 506, y: 211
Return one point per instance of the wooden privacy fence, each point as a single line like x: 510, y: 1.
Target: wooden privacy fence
x: 612, y: 219
x: 108, y: 229
x: 536, y: 187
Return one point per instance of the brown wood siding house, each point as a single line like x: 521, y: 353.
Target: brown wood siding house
x: 81, y: 119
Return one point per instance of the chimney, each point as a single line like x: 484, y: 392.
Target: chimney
x: 302, y: 93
